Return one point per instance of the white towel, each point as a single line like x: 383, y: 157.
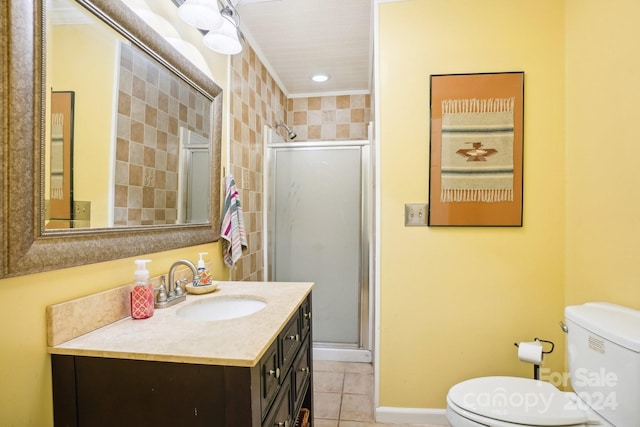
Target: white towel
x: 232, y: 232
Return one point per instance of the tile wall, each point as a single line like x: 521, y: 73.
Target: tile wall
x: 257, y: 100
x: 152, y: 107
x: 329, y: 118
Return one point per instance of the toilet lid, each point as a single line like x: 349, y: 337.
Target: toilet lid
x: 516, y: 400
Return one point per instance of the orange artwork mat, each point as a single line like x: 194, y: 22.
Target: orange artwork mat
x: 61, y: 148
x: 476, y: 149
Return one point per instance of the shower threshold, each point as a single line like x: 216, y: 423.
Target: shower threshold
x: 340, y: 353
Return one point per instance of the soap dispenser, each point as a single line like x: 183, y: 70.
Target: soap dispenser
x: 204, y: 275
x: 142, y: 293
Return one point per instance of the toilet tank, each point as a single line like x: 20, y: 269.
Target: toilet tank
x: 603, y: 350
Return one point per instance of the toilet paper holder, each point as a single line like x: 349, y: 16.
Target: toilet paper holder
x: 536, y: 368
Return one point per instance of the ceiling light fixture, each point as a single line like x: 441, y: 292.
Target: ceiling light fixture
x: 225, y: 39
x: 320, y: 78
x: 223, y: 24
x: 202, y: 14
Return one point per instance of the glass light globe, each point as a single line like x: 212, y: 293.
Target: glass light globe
x: 202, y: 14
x: 223, y: 40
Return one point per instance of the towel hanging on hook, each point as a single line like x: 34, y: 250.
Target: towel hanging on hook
x: 232, y: 231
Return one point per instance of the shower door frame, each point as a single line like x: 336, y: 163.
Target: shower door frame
x: 360, y: 352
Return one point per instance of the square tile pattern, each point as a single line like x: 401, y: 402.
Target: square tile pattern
x: 343, y: 395
x: 329, y: 118
x: 256, y: 100
x: 152, y: 107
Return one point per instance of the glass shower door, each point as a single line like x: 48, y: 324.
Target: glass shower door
x: 316, y: 220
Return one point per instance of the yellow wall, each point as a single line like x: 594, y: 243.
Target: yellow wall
x: 454, y: 300
x: 603, y: 207
x: 25, y: 388
x: 84, y: 58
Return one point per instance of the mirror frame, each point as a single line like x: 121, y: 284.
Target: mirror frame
x: 25, y: 249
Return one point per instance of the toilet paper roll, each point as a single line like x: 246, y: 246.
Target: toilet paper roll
x: 530, y: 352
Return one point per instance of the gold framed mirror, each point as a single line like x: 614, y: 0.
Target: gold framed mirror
x: 28, y: 246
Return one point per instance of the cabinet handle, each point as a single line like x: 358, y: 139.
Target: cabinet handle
x: 282, y: 424
x: 295, y: 337
x: 305, y: 369
x: 307, y: 315
x: 275, y: 373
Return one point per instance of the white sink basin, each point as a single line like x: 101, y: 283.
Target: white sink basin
x: 221, y: 308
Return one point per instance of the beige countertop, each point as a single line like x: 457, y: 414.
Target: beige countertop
x: 170, y: 338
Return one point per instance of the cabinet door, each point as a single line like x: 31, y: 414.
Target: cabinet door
x: 281, y: 413
x: 290, y: 342
x: 305, y: 317
x: 270, y: 376
x: 133, y: 393
x: 301, y: 374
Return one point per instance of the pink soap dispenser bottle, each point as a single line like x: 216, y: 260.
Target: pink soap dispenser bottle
x: 142, y: 294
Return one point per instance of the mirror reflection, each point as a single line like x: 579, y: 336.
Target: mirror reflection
x: 128, y: 143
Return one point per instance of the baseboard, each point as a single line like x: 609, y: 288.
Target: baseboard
x: 341, y: 355
x: 391, y: 415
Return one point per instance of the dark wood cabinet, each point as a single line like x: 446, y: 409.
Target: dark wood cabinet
x: 290, y: 342
x: 270, y: 378
x: 95, y: 391
x: 281, y: 413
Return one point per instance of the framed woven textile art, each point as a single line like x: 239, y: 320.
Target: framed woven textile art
x: 476, y: 150
x: 60, y: 201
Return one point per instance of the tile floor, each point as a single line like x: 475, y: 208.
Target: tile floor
x: 343, y: 395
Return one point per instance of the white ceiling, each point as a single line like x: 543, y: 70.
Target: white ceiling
x: 298, y: 38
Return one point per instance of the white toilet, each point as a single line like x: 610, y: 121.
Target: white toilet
x: 603, y: 350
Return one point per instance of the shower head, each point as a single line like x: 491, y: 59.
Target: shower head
x: 290, y: 133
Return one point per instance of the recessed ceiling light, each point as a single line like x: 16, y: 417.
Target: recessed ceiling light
x: 320, y: 78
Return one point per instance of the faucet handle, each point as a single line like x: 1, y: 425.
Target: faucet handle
x: 179, y: 289
x: 162, y: 293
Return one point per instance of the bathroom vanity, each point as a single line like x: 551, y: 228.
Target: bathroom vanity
x: 168, y: 370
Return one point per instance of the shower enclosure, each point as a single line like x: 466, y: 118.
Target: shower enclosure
x: 317, y: 222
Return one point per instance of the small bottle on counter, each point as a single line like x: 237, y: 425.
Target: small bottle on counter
x: 142, y: 294
x: 204, y: 275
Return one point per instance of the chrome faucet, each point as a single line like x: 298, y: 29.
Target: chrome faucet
x: 174, y: 287
x: 174, y: 294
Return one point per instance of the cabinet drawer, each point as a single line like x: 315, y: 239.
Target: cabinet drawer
x: 290, y: 343
x: 281, y: 413
x: 301, y: 373
x: 305, y: 317
x: 270, y: 375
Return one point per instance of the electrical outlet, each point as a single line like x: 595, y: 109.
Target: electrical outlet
x: 415, y: 214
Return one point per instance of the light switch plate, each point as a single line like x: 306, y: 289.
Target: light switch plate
x: 81, y: 210
x: 415, y: 214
